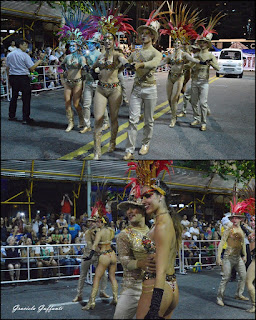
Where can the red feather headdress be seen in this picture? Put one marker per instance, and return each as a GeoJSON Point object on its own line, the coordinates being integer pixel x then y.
{"type": "Point", "coordinates": [147, 172]}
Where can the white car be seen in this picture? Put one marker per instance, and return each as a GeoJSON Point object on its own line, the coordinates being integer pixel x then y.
{"type": "Point", "coordinates": [231, 61]}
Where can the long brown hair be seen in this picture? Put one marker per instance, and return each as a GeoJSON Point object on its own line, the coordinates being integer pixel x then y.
{"type": "Point", "coordinates": [175, 218]}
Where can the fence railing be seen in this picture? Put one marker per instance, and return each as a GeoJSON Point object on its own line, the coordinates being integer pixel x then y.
{"type": "Point", "coordinates": [206, 256]}
{"type": "Point", "coordinates": [44, 83]}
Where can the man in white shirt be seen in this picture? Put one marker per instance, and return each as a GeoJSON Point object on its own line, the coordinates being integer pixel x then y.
{"type": "Point", "coordinates": [194, 230]}
{"type": "Point", "coordinates": [12, 47]}
{"type": "Point", "coordinates": [185, 221]}
{"type": "Point", "coordinates": [19, 66]}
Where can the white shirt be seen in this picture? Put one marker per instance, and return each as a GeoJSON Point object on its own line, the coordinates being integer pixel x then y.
{"type": "Point", "coordinates": [36, 225]}
{"type": "Point", "coordinates": [185, 223]}
{"type": "Point", "coordinates": [19, 63]}
{"type": "Point", "coordinates": [12, 48]}
{"type": "Point", "coordinates": [194, 230]}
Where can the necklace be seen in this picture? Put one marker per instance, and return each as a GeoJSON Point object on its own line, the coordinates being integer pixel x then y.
{"type": "Point", "coordinates": [157, 215]}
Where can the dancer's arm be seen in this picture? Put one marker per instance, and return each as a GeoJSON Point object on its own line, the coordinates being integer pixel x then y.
{"type": "Point", "coordinates": [244, 255]}
{"type": "Point", "coordinates": [152, 64]}
{"type": "Point", "coordinates": [164, 61]}
{"type": "Point", "coordinates": [190, 58]}
{"type": "Point", "coordinates": [214, 63]}
{"type": "Point", "coordinates": [163, 240]}
{"type": "Point", "coordinates": [125, 254]}
{"type": "Point", "coordinates": [220, 248]}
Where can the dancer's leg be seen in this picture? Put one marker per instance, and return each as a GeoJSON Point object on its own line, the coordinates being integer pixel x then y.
{"type": "Point", "coordinates": [114, 100]}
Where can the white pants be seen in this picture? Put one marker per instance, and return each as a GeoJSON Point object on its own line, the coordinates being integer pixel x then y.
{"type": "Point", "coordinates": [199, 95]}
{"type": "Point", "coordinates": [187, 99]}
{"type": "Point", "coordinates": [127, 303]}
{"type": "Point", "coordinates": [228, 263]}
{"type": "Point", "coordinates": [88, 94]}
{"type": "Point", "coordinates": [148, 97]}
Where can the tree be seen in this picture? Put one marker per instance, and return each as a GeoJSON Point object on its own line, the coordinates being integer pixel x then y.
{"type": "Point", "coordinates": [242, 170]}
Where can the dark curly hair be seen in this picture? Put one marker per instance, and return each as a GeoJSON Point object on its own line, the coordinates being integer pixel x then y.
{"type": "Point", "coordinates": [175, 218]}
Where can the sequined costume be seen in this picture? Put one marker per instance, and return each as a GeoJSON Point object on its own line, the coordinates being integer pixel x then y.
{"type": "Point", "coordinates": [232, 258]}
{"type": "Point", "coordinates": [89, 87]}
{"type": "Point", "coordinates": [90, 236]}
{"type": "Point", "coordinates": [130, 249]}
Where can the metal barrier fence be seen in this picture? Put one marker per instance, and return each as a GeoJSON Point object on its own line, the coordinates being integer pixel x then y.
{"type": "Point", "coordinates": [44, 83]}
{"type": "Point", "coordinates": [47, 84]}
{"type": "Point", "coordinates": [206, 256]}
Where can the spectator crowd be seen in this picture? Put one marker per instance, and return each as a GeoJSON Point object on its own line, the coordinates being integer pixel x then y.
{"type": "Point", "coordinates": [38, 239]}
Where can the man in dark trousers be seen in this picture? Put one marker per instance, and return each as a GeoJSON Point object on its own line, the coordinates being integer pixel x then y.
{"type": "Point", "coordinates": [19, 65]}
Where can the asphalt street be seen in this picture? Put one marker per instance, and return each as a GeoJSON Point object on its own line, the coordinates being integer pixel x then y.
{"type": "Point", "coordinates": [197, 300]}
{"type": "Point", "coordinates": [230, 130]}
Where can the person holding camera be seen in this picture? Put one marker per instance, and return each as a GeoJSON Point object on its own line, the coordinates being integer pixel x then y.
{"type": "Point", "coordinates": [66, 204]}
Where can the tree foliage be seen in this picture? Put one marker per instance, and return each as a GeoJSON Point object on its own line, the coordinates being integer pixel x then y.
{"type": "Point", "coordinates": [242, 170]}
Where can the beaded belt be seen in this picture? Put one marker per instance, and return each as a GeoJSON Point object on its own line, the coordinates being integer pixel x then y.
{"type": "Point", "coordinates": [108, 85]}
{"type": "Point", "coordinates": [152, 275]}
{"type": "Point", "coordinates": [170, 278]}
{"type": "Point", "coordinates": [73, 80]}
{"type": "Point", "coordinates": [106, 251]}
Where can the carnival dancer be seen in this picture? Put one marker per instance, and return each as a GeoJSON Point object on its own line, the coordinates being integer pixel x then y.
{"type": "Point", "coordinates": [74, 32]}
{"type": "Point", "coordinates": [200, 74]}
{"type": "Point", "coordinates": [108, 21]}
{"type": "Point", "coordinates": [182, 29]}
{"type": "Point", "coordinates": [187, 90]}
{"type": "Point", "coordinates": [250, 275]}
{"type": "Point", "coordinates": [91, 54]}
{"type": "Point", "coordinates": [249, 194]}
{"type": "Point", "coordinates": [234, 236]}
{"type": "Point", "coordinates": [144, 89]}
{"type": "Point", "coordinates": [85, 264]}
{"type": "Point", "coordinates": [132, 255]}
{"type": "Point", "coordinates": [107, 256]}
{"type": "Point", "coordinates": [159, 289]}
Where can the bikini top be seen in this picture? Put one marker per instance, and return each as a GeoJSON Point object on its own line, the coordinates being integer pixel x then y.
{"type": "Point", "coordinates": [108, 65]}
{"type": "Point", "coordinates": [112, 236]}
{"type": "Point", "coordinates": [176, 61]}
{"type": "Point", "coordinates": [74, 63]}
{"type": "Point", "coordinates": [148, 244]}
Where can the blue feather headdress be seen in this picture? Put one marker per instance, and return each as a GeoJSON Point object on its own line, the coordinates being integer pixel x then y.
{"type": "Point", "coordinates": [77, 27]}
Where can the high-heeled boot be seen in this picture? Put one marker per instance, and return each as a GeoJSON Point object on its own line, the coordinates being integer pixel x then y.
{"type": "Point", "coordinates": [115, 294]}
{"type": "Point", "coordinates": [91, 303]}
{"type": "Point", "coordinates": [97, 145]}
{"type": "Point", "coordinates": [70, 116]}
{"type": "Point", "coordinates": [81, 123]}
{"type": "Point", "coordinates": [252, 296]}
{"type": "Point", "coordinates": [112, 143]}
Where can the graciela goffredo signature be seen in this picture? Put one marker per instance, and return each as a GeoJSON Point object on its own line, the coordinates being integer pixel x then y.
{"type": "Point", "coordinates": [42, 307]}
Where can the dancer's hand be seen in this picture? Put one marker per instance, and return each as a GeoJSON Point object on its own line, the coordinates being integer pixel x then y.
{"type": "Point", "coordinates": [218, 262]}
{"type": "Point", "coordinates": [244, 259]}
{"type": "Point", "coordinates": [90, 256]}
{"type": "Point", "coordinates": [139, 65]}
{"type": "Point", "coordinates": [147, 264]}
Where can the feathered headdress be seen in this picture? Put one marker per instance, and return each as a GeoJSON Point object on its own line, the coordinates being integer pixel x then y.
{"type": "Point", "coordinates": [77, 27]}
{"type": "Point", "coordinates": [99, 209]}
{"type": "Point", "coordinates": [248, 194]}
{"type": "Point", "coordinates": [104, 18]}
{"type": "Point", "coordinates": [182, 25]}
{"type": "Point", "coordinates": [208, 31]}
{"type": "Point", "coordinates": [152, 22]}
{"type": "Point", "coordinates": [147, 172]}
